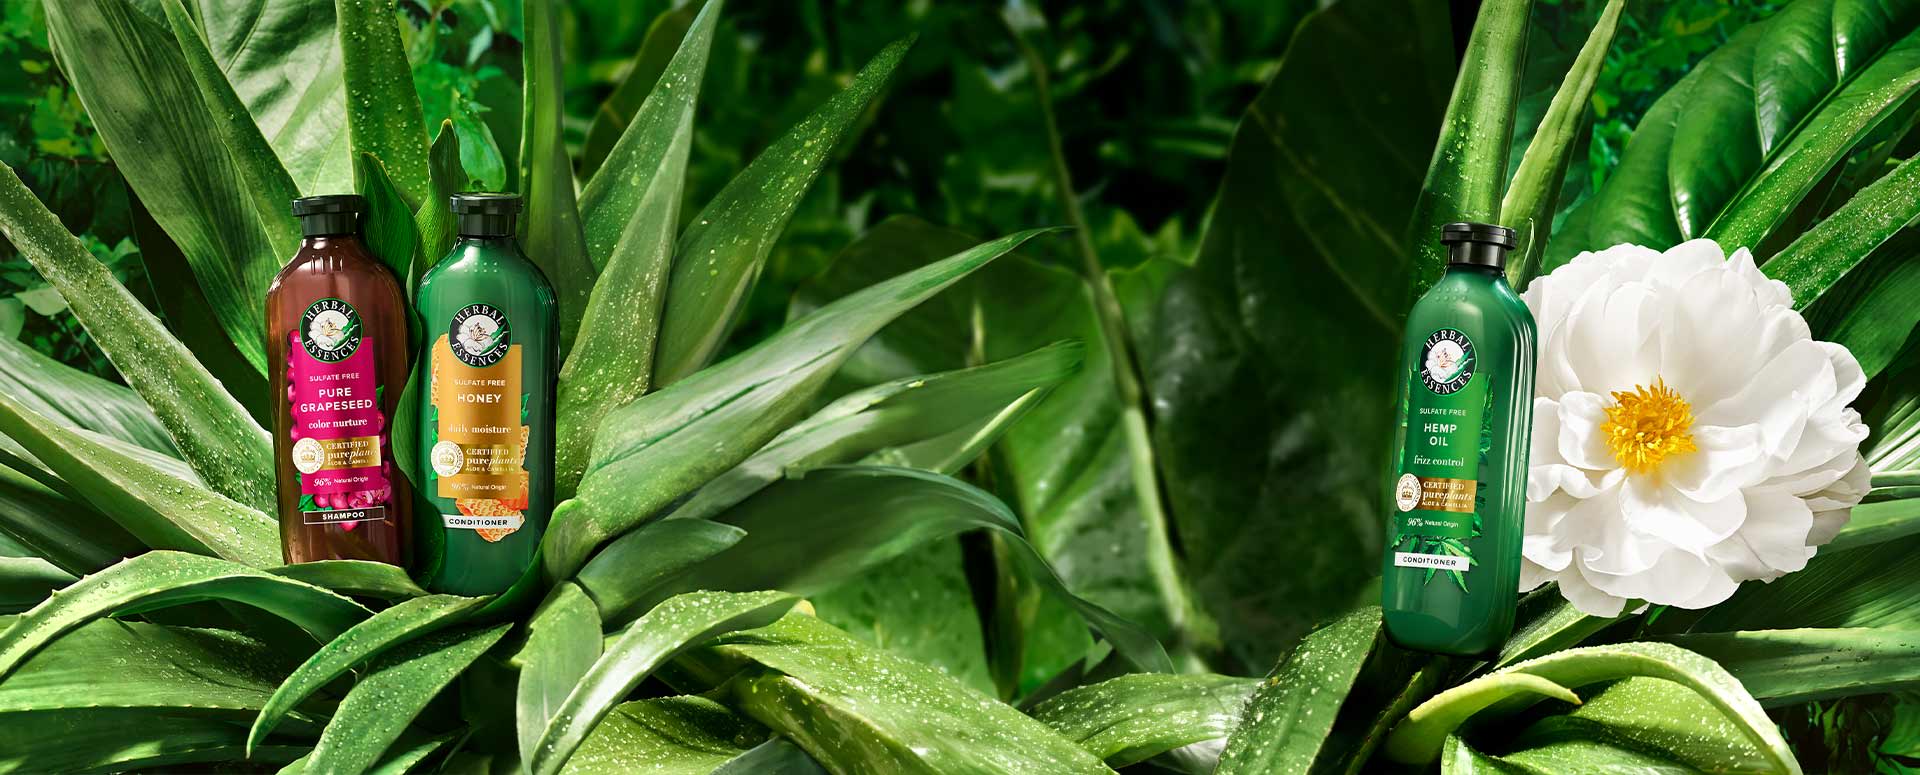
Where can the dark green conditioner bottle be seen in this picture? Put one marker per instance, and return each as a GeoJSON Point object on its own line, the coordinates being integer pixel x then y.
{"type": "Point", "coordinates": [490, 325]}
{"type": "Point", "coordinates": [1452, 561]}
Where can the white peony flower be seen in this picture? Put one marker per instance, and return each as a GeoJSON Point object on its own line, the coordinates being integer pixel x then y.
{"type": "Point", "coordinates": [1688, 432]}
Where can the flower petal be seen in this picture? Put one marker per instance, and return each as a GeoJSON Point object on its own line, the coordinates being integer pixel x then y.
{"type": "Point", "coordinates": [1581, 442]}
{"type": "Point", "coordinates": [1773, 542]}
{"type": "Point", "coordinates": [1653, 509]}
{"type": "Point", "coordinates": [1723, 461]}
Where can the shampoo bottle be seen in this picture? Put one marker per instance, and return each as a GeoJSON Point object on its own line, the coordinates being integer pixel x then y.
{"type": "Point", "coordinates": [1452, 561]}
{"type": "Point", "coordinates": [337, 356]}
{"type": "Point", "coordinates": [486, 403]}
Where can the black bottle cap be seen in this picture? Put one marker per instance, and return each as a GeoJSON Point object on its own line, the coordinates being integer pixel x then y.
{"type": "Point", "coordinates": [1477, 244]}
{"type": "Point", "coordinates": [485, 214]}
{"type": "Point", "coordinates": [329, 215]}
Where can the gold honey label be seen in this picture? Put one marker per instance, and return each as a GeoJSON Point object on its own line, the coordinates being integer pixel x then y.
{"type": "Point", "coordinates": [481, 446]}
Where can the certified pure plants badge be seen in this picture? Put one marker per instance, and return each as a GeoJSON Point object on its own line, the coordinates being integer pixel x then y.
{"type": "Point", "coordinates": [330, 330]}
{"type": "Point", "coordinates": [479, 335]}
{"type": "Point", "coordinates": [1447, 361]}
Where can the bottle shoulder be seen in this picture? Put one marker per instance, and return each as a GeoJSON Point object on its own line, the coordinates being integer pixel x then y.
{"type": "Point", "coordinates": [1471, 299]}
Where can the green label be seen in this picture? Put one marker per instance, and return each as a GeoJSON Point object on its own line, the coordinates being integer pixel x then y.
{"type": "Point", "coordinates": [1436, 492]}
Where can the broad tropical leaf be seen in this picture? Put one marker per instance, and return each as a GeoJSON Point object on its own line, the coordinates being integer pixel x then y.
{"type": "Point", "coordinates": [257, 42]}
{"type": "Point", "coordinates": [1286, 723]}
{"type": "Point", "coordinates": [720, 255]}
{"type": "Point", "coordinates": [1130, 719]}
{"type": "Point", "coordinates": [1781, 667]}
{"type": "Point", "coordinates": [550, 223]}
{"type": "Point", "coordinates": [626, 577]}
{"type": "Point", "coordinates": [670, 442]}
{"type": "Point", "coordinates": [213, 433]}
{"type": "Point", "coordinates": [397, 686]}
{"type": "Point", "coordinates": [563, 643]}
{"type": "Point", "coordinates": [383, 110]}
{"type": "Point", "coordinates": [668, 736]}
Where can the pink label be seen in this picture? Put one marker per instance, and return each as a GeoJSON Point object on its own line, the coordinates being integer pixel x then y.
{"type": "Point", "coordinates": [340, 437]}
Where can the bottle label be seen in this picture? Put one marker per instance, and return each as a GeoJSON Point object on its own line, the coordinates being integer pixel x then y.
{"type": "Point", "coordinates": [480, 432]}
{"type": "Point", "coordinates": [340, 444]}
{"type": "Point", "coordinates": [1437, 497]}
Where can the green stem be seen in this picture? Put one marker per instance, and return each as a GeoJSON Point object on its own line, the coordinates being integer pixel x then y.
{"type": "Point", "coordinates": [1126, 367]}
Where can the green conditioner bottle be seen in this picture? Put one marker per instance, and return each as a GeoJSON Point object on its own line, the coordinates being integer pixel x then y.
{"type": "Point", "coordinates": [490, 323]}
{"type": "Point", "coordinates": [1452, 561]}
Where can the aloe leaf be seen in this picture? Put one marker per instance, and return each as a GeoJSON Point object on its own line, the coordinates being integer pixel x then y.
{"type": "Point", "coordinates": [257, 42]}
{"type": "Point", "coordinates": [676, 735]}
{"type": "Point", "coordinates": [1786, 667]}
{"type": "Point", "coordinates": [1823, 255]}
{"type": "Point", "coordinates": [1534, 193]}
{"type": "Point", "coordinates": [265, 183]}
{"type": "Point", "coordinates": [161, 578]}
{"type": "Point", "coordinates": [77, 399]}
{"type": "Point", "coordinates": [777, 756]}
{"type": "Point", "coordinates": [400, 759]}
{"type": "Point", "coordinates": [161, 510]}
{"type": "Point", "coordinates": [82, 540]}
{"type": "Point", "coordinates": [213, 433]}
{"type": "Point", "coordinates": [859, 709]}
{"type": "Point", "coordinates": [1548, 623]}
{"type": "Point", "coordinates": [720, 255]}
{"type": "Point", "coordinates": [383, 110]}
{"type": "Point", "coordinates": [1130, 719]}
{"type": "Point", "coordinates": [550, 227]}
{"type": "Point", "coordinates": [163, 140]}
{"type": "Point", "coordinates": [27, 581]}
{"type": "Point", "coordinates": [672, 441]}
{"type": "Point", "coordinates": [1469, 164]}
{"type": "Point", "coordinates": [805, 534]}
{"type": "Point", "coordinates": [681, 623]}
{"type": "Point", "coordinates": [390, 233]}
{"type": "Point", "coordinates": [888, 415]}
{"type": "Point", "coordinates": [123, 741]}
{"type": "Point", "coordinates": [182, 305]}
{"type": "Point", "coordinates": [1832, 133]}
{"type": "Point", "coordinates": [627, 576]}
{"type": "Point", "coordinates": [366, 640]}
{"type": "Point", "coordinates": [355, 577]}
{"type": "Point", "coordinates": [434, 219]}
{"type": "Point", "coordinates": [1334, 295]}
{"type": "Point", "coordinates": [563, 643]}
{"type": "Point", "coordinates": [1785, 97]}
{"type": "Point", "coordinates": [610, 122]}
{"type": "Point", "coordinates": [397, 686]}
{"type": "Point", "coordinates": [631, 214]}
{"type": "Point", "coordinates": [1631, 725]}
{"type": "Point", "coordinates": [1419, 738]}
{"type": "Point", "coordinates": [1286, 723]}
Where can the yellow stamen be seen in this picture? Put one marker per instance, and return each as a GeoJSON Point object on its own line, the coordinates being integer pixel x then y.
{"type": "Point", "coordinates": [1647, 426]}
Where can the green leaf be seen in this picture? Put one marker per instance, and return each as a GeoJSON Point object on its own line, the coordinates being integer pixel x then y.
{"type": "Point", "coordinates": [390, 232]}
{"type": "Point", "coordinates": [1784, 667]}
{"type": "Point", "coordinates": [1862, 102]}
{"type": "Point", "coordinates": [366, 640]}
{"type": "Point", "coordinates": [434, 219]}
{"type": "Point", "coordinates": [26, 581]}
{"type": "Point", "coordinates": [182, 305]}
{"type": "Point", "coordinates": [1872, 586]}
{"type": "Point", "coordinates": [1786, 97]}
{"type": "Point", "coordinates": [1874, 308]}
{"type": "Point", "coordinates": [672, 441]}
{"type": "Point", "coordinates": [1877, 522]}
{"type": "Point", "coordinates": [1286, 723]}
{"type": "Point", "coordinates": [777, 756]}
{"type": "Point", "coordinates": [679, 624]}
{"type": "Point", "coordinates": [258, 42]}
{"type": "Point", "coordinates": [1822, 256]}
{"type": "Point", "coordinates": [161, 510]}
{"type": "Point", "coordinates": [612, 120]}
{"type": "Point", "coordinates": [77, 399]}
{"type": "Point", "coordinates": [82, 540]}
{"type": "Point", "coordinates": [397, 686]}
{"type": "Point", "coordinates": [887, 415]}
{"type": "Point", "coordinates": [857, 709]}
{"type": "Point", "coordinates": [158, 579]}
{"type": "Point", "coordinates": [1469, 164]}
{"type": "Point", "coordinates": [1548, 623]}
{"type": "Point", "coordinates": [626, 577]}
{"type": "Point", "coordinates": [667, 736]}
{"type": "Point", "coordinates": [383, 110]}
{"type": "Point", "coordinates": [213, 433]}
{"type": "Point", "coordinates": [1130, 719]}
{"type": "Point", "coordinates": [355, 577]}
{"type": "Point", "coordinates": [1632, 725]}
{"type": "Point", "coordinates": [267, 186]}
{"type": "Point", "coordinates": [550, 228]}
{"type": "Point", "coordinates": [1534, 193]}
{"type": "Point", "coordinates": [720, 255]}
{"type": "Point", "coordinates": [141, 98]}
{"type": "Point", "coordinates": [1300, 282]}
{"type": "Point", "coordinates": [921, 606]}
{"type": "Point", "coordinates": [1419, 738]}
{"type": "Point", "coordinates": [1068, 464]}
{"type": "Point", "coordinates": [563, 643]}
{"type": "Point", "coordinates": [631, 214]}
{"type": "Point", "coordinates": [806, 534]}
